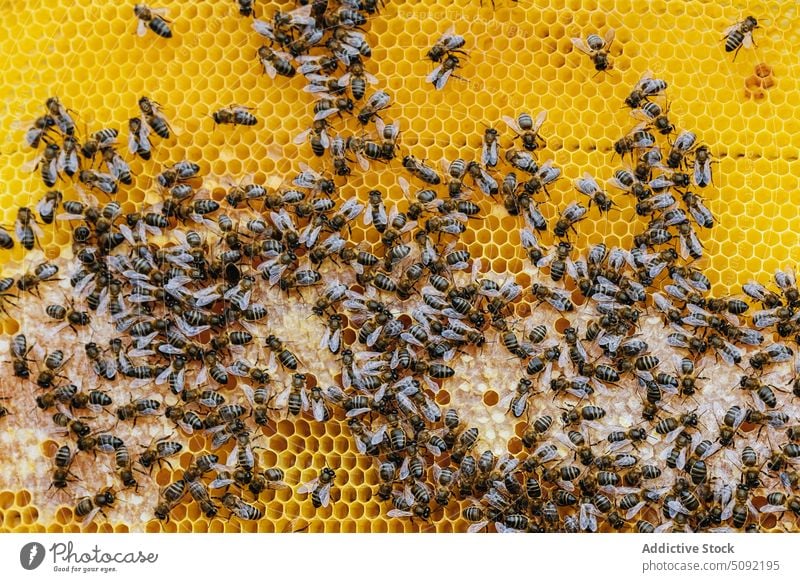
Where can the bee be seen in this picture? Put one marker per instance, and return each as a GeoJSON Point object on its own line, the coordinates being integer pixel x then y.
{"type": "Point", "coordinates": [653, 117]}
{"type": "Point", "coordinates": [89, 507]}
{"type": "Point", "coordinates": [138, 138]}
{"type": "Point", "coordinates": [151, 112]}
{"type": "Point", "coordinates": [527, 129]}
{"type": "Point", "coordinates": [682, 146]}
{"type": "Point", "coordinates": [61, 114]}
{"type": "Point", "coordinates": [152, 18]}
{"type": "Point", "coordinates": [389, 135]}
{"type": "Point", "coordinates": [569, 217]}
{"type": "Point", "coordinates": [47, 206]}
{"type": "Point", "coordinates": [104, 182]}
{"type": "Point", "coordinates": [645, 88]}
{"type": "Point", "coordinates": [43, 272]}
{"type": "Point", "coordinates": [316, 135]}
{"type": "Point", "coordinates": [559, 299]}
{"type": "Point", "coordinates": [37, 130]}
{"type": "Point", "coordinates": [357, 78]}
{"type": "Point", "coordinates": [698, 210]}
{"type": "Point", "coordinates": [26, 229]}
{"type": "Point", "coordinates": [420, 170]}
{"type": "Point", "coordinates": [241, 509]}
{"type": "Point", "coordinates": [61, 473]}
{"type": "Point", "coordinates": [124, 466]}
{"type": "Point", "coordinates": [68, 156]}
{"type": "Point", "coordinates": [702, 167]}
{"type": "Point", "coordinates": [158, 453]}
{"type": "Point", "coordinates": [319, 487]}
{"type": "Point", "coordinates": [440, 75]}
{"type": "Point", "coordinates": [485, 182]}
{"type": "Point", "coordinates": [489, 147]}
{"type": "Point", "coordinates": [137, 408]}
{"type": "Point", "coordinates": [47, 164]}
{"type": "Point", "coordinates": [772, 354]}
{"type": "Point", "coordinates": [740, 35]}
{"type": "Point", "coordinates": [447, 43]}
{"type": "Point", "coordinates": [234, 115]}
{"type": "Point", "coordinates": [169, 497]}
{"type": "Point", "coordinates": [627, 181]}
{"type": "Point", "coordinates": [275, 62]}
{"type": "Point", "coordinates": [376, 103]}
{"type": "Point", "coordinates": [598, 49]}
{"type": "Point", "coordinates": [638, 139]}
{"type": "Point", "coordinates": [589, 187]}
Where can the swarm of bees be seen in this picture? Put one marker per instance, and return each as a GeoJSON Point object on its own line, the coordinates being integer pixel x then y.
{"type": "Point", "coordinates": [172, 316]}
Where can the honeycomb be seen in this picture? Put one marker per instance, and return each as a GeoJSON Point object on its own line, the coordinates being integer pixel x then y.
{"type": "Point", "coordinates": [519, 58]}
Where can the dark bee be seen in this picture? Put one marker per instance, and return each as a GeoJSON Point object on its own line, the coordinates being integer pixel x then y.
{"type": "Point", "coordinates": [152, 18]}
{"type": "Point", "coordinates": [740, 35]}
{"type": "Point", "coordinates": [598, 49]}
{"type": "Point", "coordinates": [234, 115]}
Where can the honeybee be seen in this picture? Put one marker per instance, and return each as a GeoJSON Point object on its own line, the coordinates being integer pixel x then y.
{"type": "Point", "coordinates": [89, 507]}
{"type": "Point", "coordinates": [61, 114]}
{"type": "Point", "coordinates": [636, 140]}
{"type": "Point", "coordinates": [152, 18]}
{"type": "Point", "coordinates": [234, 115]}
{"type": "Point", "coordinates": [37, 130]}
{"type": "Point", "coordinates": [654, 117]}
{"type": "Point", "coordinates": [589, 187]}
{"type": "Point", "coordinates": [68, 156]}
{"type": "Point", "coordinates": [740, 35]}
{"type": "Point", "coordinates": [138, 138]}
{"type": "Point", "coordinates": [151, 111]}
{"type": "Point", "coordinates": [702, 167]}
{"type": "Point", "coordinates": [47, 164]}
{"type": "Point", "coordinates": [447, 43]}
{"type": "Point", "coordinates": [420, 170]}
{"type": "Point", "coordinates": [26, 229]}
{"type": "Point", "coordinates": [319, 488]}
{"type": "Point", "coordinates": [275, 62]}
{"type": "Point", "coordinates": [358, 79]}
{"type": "Point", "coordinates": [597, 48]}
{"type": "Point", "coordinates": [645, 88]}
{"type": "Point", "coordinates": [240, 508]}
{"type": "Point", "coordinates": [376, 103]}
{"type": "Point", "coordinates": [439, 75]}
{"type": "Point", "coordinates": [527, 129]}
{"type": "Point", "coordinates": [570, 216]}
{"type": "Point", "coordinates": [682, 146]}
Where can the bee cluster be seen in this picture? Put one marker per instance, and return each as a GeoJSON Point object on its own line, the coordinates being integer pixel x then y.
{"type": "Point", "coordinates": [176, 310]}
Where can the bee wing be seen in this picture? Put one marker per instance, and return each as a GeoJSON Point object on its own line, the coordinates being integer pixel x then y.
{"type": "Point", "coordinates": [609, 37]}
{"type": "Point", "coordinates": [325, 494]}
{"type": "Point", "coordinates": [90, 517]}
{"type": "Point", "coordinates": [141, 28]}
{"type": "Point", "coordinates": [431, 78]}
{"type": "Point", "coordinates": [579, 44]}
{"type": "Point", "coordinates": [308, 487]}
{"type": "Point", "coordinates": [272, 72]}
{"type": "Point", "coordinates": [318, 409]}
{"type": "Point", "coordinates": [512, 123]}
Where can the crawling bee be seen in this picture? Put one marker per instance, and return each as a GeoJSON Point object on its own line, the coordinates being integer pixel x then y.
{"type": "Point", "coordinates": [420, 170]}
{"type": "Point", "coordinates": [376, 103]}
{"type": "Point", "coordinates": [152, 18]}
{"type": "Point", "coordinates": [702, 166]}
{"type": "Point", "coordinates": [241, 509]}
{"type": "Point", "coordinates": [570, 216]}
{"type": "Point", "coordinates": [740, 35]}
{"type": "Point", "coordinates": [319, 488]}
{"type": "Point", "coordinates": [637, 140]}
{"type": "Point", "coordinates": [275, 62]}
{"type": "Point", "coordinates": [447, 43]}
{"type": "Point", "coordinates": [527, 129]}
{"type": "Point", "coordinates": [37, 130]}
{"type": "Point", "coordinates": [234, 115]}
{"type": "Point", "coordinates": [89, 507]}
{"type": "Point", "coordinates": [26, 229]}
{"type": "Point", "coordinates": [682, 146]}
{"type": "Point", "coordinates": [654, 117]}
{"type": "Point", "coordinates": [589, 187]}
{"type": "Point", "coordinates": [61, 114]}
{"type": "Point", "coordinates": [151, 112]}
{"type": "Point", "coordinates": [597, 48]}
{"type": "Point", "coordinates": [645, 88]}
{"type": "Point", "coordinates": [138, 138]}
{"type": "Point", "coordinates": [444, 71]}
